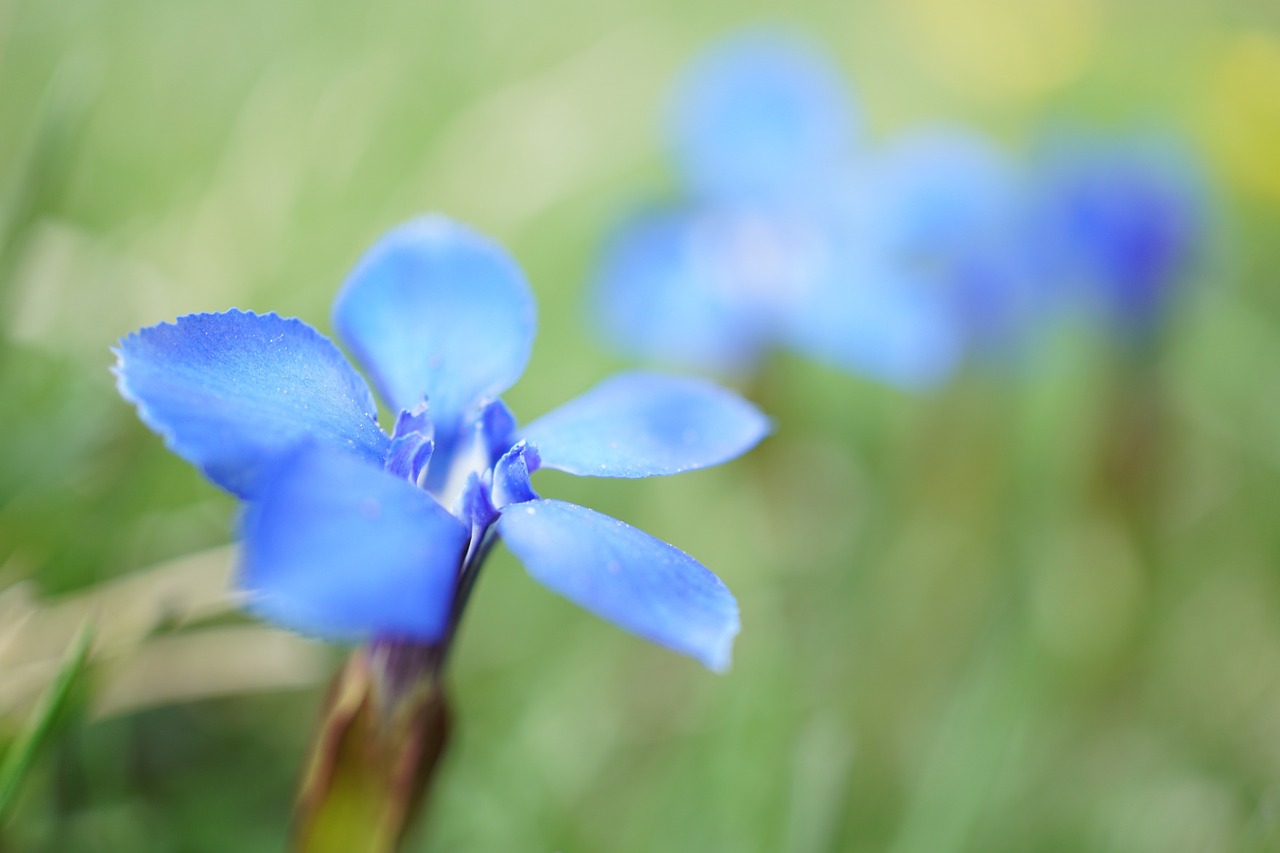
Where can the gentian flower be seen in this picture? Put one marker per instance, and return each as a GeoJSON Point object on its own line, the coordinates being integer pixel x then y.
{"type": "Point", "coordinates": [351, 534]}
{"type": "Point", "coordinates": [764, 249]}
{"type": "Point", "coordinates": [1120, 222]}
{"type": "Point", "coordinates": [943, 207]}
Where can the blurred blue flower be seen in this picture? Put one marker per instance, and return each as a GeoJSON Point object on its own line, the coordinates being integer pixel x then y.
{"type": "Point", "coordinates": [762, 115]}
{"type": "Point", "coordinates": [773, 244]}
{"type": "Point", "coordinates": [944, 207]}
{"type": "Point", "coordinates": [353, 534]}
{"type": "Point", "coordinates": [1119, 221]}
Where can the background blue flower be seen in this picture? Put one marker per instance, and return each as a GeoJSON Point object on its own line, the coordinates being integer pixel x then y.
{"type": "Point", "coordinates": [945, 208]}
{"type": "Point", "coordinates": [885, 260]}
{"type": "Point", "coordinates": [761, 128]}
{"type": "Point", "coordinates": [1120, 220]}
{"type": "Point", "coordinates": [353, 534]}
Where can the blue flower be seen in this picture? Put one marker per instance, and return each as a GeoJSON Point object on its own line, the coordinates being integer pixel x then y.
{"type": "Point", "coordinates": [1119, 221]}
{"type": "Point", "coordinates": [944, 206]}
{"type": "Point", "coordinates": [768, 248]}
{"type": "Point", "coordinates": [353, 534]}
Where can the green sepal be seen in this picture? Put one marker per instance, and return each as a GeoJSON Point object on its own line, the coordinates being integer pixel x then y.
{"type": "Point", "coordinates": [382, 732]}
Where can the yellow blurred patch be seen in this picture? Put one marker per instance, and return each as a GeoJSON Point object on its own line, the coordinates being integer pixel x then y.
{"type": "Point", "coordinates": [1244, 112]}
{"type": "Point", "coordinates": [1004, 49]}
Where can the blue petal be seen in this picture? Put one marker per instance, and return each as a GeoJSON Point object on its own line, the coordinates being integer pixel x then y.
{"type": "Point", "coordinates": [938, 189]}
{"type": "Point", "coordinates": [414, 421]}
{"type": "Point", "coordinates": [495, 430]}
{"type": "Point", "coordinates": [511, 476]}
{"type": "Point", "coordinates": [478, 512]}
{"type": "Point", "coordinates": [626, 576]}
{"type": "Point", "coordinates": [881, 323]}
{"type": "Point", "coordinates": [645, 425]}
{"type": "Point", "coordinates": [341, 550]}
{"type": "Point", "coordinates": [760, 115]}
{"type": "Point", "coordinates": [435, 309]}
{"type": "Point", "coordinates": [409, 456]}
{"type": "Point", "coordinates": [660, 293]}
{"type": "Point", "coordinates": [412, 445]}
{"type": "Point", "coordinates": [233, 392]}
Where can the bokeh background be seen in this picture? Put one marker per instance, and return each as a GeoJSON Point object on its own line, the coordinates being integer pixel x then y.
{"type": "Point", "coordinates": [971, 621]}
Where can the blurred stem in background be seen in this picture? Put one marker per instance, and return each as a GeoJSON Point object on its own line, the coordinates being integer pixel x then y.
{"type": "Point", "coordinates": [42, 168]}
{"type": "Point", "coordinates": [1128, 475]}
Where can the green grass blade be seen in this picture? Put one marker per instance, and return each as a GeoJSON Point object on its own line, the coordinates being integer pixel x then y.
{"type": "Point", "coordinates": [22, 753]}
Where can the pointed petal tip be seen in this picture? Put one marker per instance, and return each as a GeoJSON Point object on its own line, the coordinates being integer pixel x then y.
{"type": "Point", "coordinates": [625, 576]}
{"type": "Point", "coordinates": [718, 654]}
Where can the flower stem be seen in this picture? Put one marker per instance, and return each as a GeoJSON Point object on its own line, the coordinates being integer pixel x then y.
{"type": "Point", "coordinates": [381, 736]}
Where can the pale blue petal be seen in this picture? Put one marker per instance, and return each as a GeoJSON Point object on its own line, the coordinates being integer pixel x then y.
{"type": "Point", "coordinates": [232, 392]}
{"type": "Point", "coordinates": [436, 310]}
{"type": "Point", "coordinates": [762, 114]}
{"type": "Point", "coordinates": [938, 189]}
{"type": "Point", "coordinates": [883, 324]}
{"type": "Point", "coordinates": [626, 576]}
{"type": "Point", "coordinates": [662, 293]}
{"type": "Point", "coordinates": [645, 425]}
{"type": "Point", "coordinates": [341, 550]}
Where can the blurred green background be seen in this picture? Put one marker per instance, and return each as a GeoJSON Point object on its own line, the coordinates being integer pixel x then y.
{"type": "Point", "coordinates": [962, 628]}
